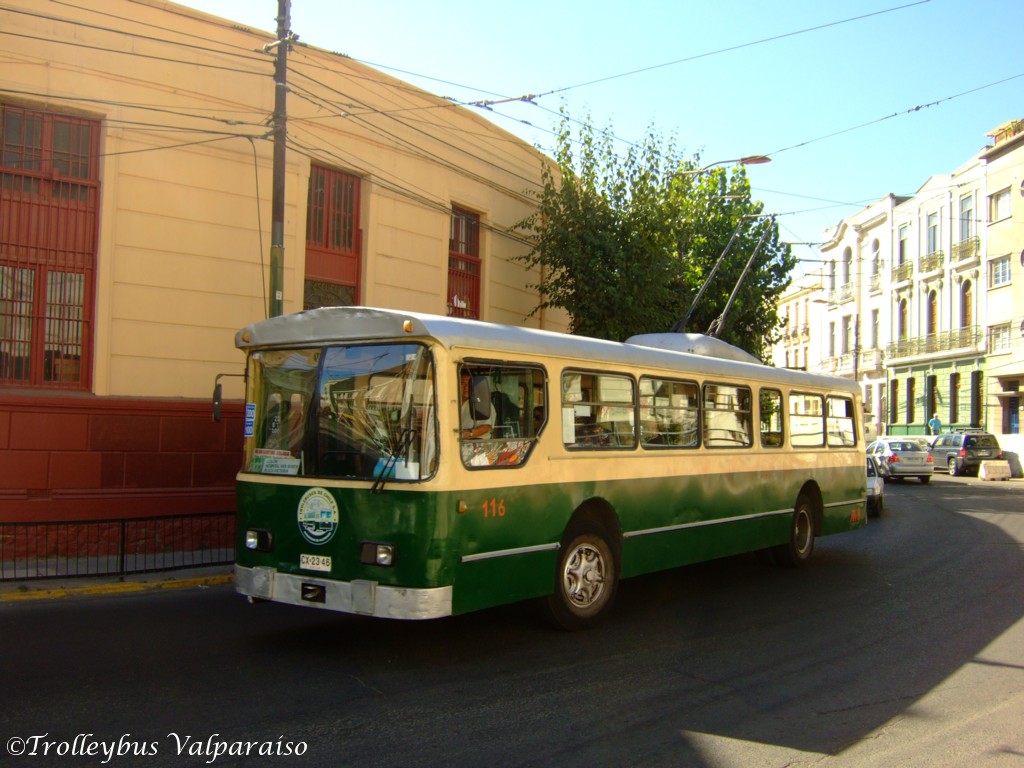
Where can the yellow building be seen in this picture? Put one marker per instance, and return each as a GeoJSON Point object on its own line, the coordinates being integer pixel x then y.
{"type": "Point", "coordinates": [135, 231]}
{"type": "Point", "coordinates": [1005, 334]}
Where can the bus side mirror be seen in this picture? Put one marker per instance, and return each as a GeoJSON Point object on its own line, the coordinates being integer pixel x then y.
{"type": "Point", "coordinates": [480, 399]}
{"type": "Point", "coordinates": [217, 398]}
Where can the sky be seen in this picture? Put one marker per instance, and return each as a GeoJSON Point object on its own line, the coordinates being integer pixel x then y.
{"type": "Point", "coordinates": [852, 100]}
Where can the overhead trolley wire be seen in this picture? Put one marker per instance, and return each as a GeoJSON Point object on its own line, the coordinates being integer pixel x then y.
{"type": "Point", "coordinates": [246, 55]}
{"type": "Point", "coordinates": [412, 146]}
{"type": "Point", "coordinates": [423, 196]}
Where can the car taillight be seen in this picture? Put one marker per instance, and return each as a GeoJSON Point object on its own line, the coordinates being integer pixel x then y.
{"type": "Point", "coordinates": [894, 459]}
{"type": "Point", "coordinates": [963, 453]}
{"type": "Point", "coordinates": [929, 460]}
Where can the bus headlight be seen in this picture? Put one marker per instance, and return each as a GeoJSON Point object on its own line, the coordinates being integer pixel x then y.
{"type": "Point", "coordinates": [260, 541]}
{"type": "Point", "coordinates": [371, 553]}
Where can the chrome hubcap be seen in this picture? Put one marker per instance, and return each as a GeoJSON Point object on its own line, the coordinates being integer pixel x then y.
{"type": "Point", "coordinates": [583, 576]}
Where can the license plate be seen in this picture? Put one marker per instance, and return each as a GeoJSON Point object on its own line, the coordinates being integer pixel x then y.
{"type": "Point", "coordinates": [315, 563]}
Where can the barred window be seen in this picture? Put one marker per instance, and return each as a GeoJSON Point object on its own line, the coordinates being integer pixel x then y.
{"type": "Point", "coordinates": [49, 188]}
{"type": "Point", "coordinates": [333, 242]}
{"type": "Point", "coordinates": [464, 264]}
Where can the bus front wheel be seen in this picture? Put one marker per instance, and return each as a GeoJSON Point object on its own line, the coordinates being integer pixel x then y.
{"type": "Point", "coordinates": [585, 581]}
{"type": "Point", "coordinates": [800, 546]}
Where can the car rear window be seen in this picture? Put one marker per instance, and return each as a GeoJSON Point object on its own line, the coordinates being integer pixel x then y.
{"type": "Point", "coordinates": [981, 441]}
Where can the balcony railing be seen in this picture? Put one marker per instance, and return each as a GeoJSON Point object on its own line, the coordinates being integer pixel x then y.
{"type": "Point", "coordinates": [967, 249]}
{"type": "Point", "coordinates": [933, 261]}
{"type": "Point", "coordinates": [966, 338]}
{"type": "Point", "coordinates": [841, 294]}
{"type": "Point", "coordinates": [903, 272]}
{"type": "Point", "coordinates": [871, 361]}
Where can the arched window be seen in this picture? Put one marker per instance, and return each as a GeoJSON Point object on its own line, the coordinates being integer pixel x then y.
{"type": "Point", "coordinates": [901, 320]}
{"type": "Point", "coordinates": [966, 304]}
{"type": "Point", "coordinates": [933, 313]}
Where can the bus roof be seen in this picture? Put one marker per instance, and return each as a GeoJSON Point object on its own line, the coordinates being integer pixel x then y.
{"type": "Point", "coordinates": [695, 352]}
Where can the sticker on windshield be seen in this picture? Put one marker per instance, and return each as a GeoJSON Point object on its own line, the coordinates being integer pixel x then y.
{"type": "Point", "coordinates": [270, 462]}
{"type": "Point", "coordinates": [318, 516]}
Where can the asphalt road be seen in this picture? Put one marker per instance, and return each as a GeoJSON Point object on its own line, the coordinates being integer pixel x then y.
{"type": "Point", "coordinates": [899, 645]}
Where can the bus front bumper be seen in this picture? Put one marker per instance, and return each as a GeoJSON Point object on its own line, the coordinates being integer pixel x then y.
{"type": "Point", "coordinates": [366, 598]}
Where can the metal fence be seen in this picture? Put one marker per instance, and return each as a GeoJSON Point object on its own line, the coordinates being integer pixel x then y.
{"type": "Point", "coordinates": [115, 547]}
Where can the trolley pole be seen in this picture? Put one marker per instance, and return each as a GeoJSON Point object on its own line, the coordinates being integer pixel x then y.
{"type": "Point", "coordinates": [284, 38]}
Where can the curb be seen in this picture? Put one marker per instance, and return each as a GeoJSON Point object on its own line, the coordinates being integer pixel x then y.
{"type": "Point", "coordinates": [25, 593]}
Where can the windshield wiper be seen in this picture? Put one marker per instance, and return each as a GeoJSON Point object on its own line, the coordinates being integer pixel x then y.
{"type": "Point", "coordinates": [405, 439]}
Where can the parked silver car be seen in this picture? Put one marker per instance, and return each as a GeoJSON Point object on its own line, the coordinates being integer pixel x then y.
{"type": "Point", "coordinates": [876, 489]}
{"type": "Point", "coordinates": [904, 457]}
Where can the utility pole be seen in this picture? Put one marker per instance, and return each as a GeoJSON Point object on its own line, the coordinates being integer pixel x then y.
{"type": "Point", "coordinates": [284, 38]}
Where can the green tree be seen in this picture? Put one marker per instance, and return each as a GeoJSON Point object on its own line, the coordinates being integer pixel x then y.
{"type": "Point", "coordinates": [624, 243]}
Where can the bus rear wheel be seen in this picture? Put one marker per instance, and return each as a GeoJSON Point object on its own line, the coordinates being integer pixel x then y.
{"type": "Point", "coordinates": [800, 546]}
{"type": "Point", "coordinates": [585, 582]}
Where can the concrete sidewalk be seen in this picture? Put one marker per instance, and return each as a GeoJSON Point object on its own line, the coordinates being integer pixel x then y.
{"type": "Point", "coordinates": [54, 589]}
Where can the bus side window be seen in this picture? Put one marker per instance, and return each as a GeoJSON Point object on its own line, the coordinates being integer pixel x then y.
{"type": "Point", "coordinates": [841, 430]}
{"type": "Point", "coordinates": [770, 405]}
{"type": "Point", "coordinates": [506, 435]}
{"type": "Point", "coordinates": [669, 413]}
{"type": "Point", "coordinates": [806, 425]}
{"type": "Point", "coordinates": [727, 416]}
{"type": "Point", "coordinates": [598, 411]}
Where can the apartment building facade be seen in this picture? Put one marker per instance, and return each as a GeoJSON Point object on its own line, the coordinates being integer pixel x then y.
{"type": "Point", "coordinates": [135, 227]}
{"type": "Point", "coordinates": [922, 298]}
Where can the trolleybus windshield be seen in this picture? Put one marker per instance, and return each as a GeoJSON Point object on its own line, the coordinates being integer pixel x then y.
{"type": "Point", "coordinates": [363, 412]}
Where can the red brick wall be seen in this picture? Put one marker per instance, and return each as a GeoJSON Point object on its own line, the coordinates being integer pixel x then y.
{"type": "Point", "coordinates": [83, 457]}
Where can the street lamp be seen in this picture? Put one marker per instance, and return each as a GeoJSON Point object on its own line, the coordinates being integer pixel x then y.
{"type": "Point", "coordinates": [748, 160]}
{"type": "Point", "coordinates": [680, 325]}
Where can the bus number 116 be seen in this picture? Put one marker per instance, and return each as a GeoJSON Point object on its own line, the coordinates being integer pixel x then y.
{"type": "Point", "coordinates": [494, 508]}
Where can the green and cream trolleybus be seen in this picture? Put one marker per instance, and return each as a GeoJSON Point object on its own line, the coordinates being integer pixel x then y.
{"type": "Point", "coordinates": [411, 466]}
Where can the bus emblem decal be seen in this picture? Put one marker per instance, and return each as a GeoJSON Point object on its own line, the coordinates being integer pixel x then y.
{"type": "Point", "coordinates": [318, 516]}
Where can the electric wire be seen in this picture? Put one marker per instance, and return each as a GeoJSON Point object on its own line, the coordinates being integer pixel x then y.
{"type": "Point", "coordinates": [113, 51]}
{"type": "Point", "coordinates": [138, 106]}
{"type": "Point", "coordinates": [908, 111]}
{"type": "Point", "coordinates": [499, 99]}
{"type": "Point", "coordinates": [426, 153]}
{"type": "Point", "coordinates": [732, 48]}
{"type": "Point", "coordinates": [248, 56]}
{"type": "Point", "coordinates": [259, 226]}
{"type": "Point", "coordinates": [423, 197]}
{"type": "Point", "coordinates": [175, 11]}
{"type": "Point", "coordinates": [434, 158]}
